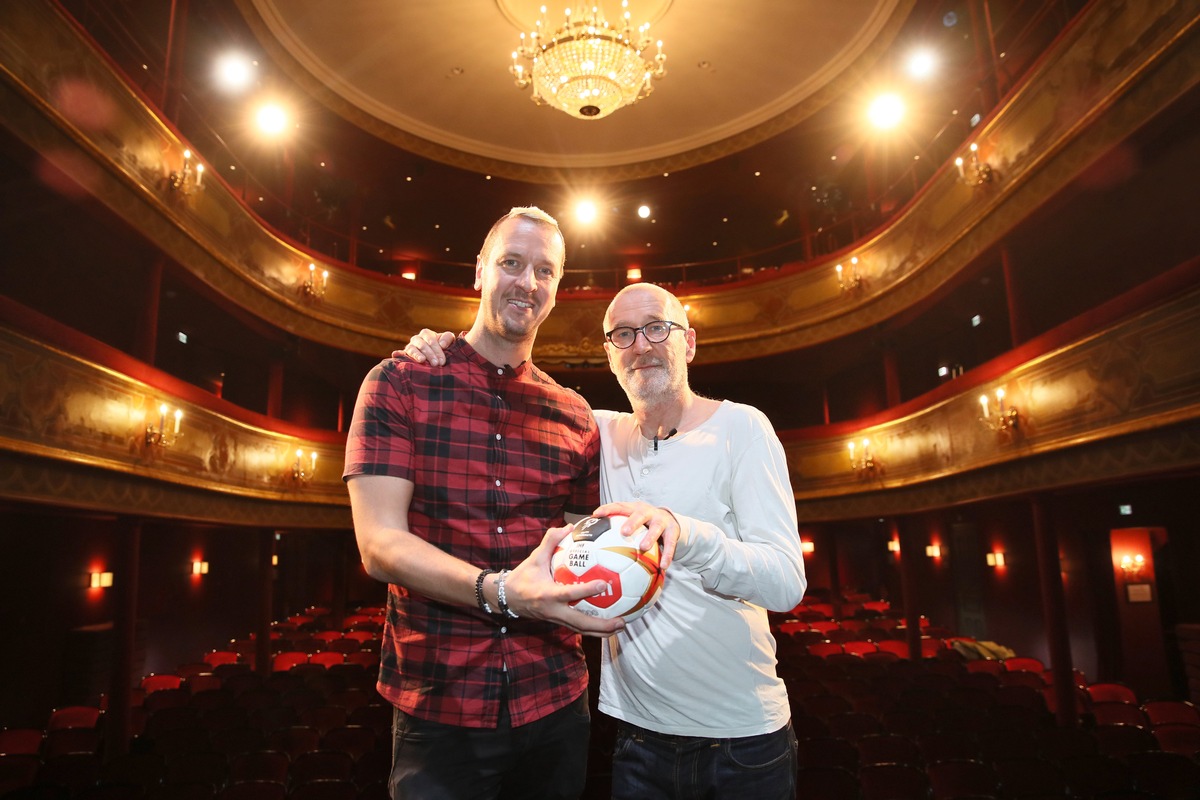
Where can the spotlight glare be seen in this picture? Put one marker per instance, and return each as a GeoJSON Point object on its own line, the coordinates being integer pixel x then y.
{"type": "Point", "coordinates": [271, 119]}
{"type": "Point", "coordinates": [922, 64]}
{"type": "Point", "coordinates": [643, 211]}
{"type": "Point", "coordinates": [585, 212]}
{"type": "Point", "coordinates": [233, 72]}
{"type": "Point", "coordinates": [886, 111]}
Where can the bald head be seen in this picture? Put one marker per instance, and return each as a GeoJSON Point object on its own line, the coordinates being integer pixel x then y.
{"type": "Point", "coordinates": [641, 294]}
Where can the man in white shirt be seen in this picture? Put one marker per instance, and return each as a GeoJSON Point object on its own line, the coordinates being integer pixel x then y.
{"type": "Point", "coordinates": [692, 682]}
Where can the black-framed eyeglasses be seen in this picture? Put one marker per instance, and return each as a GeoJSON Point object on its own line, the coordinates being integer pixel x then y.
{"type": "Point", "coordinates": [655, 332]}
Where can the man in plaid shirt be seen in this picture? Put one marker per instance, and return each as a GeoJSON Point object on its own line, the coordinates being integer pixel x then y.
{"type": "Point", "coordinates": [458, 476]}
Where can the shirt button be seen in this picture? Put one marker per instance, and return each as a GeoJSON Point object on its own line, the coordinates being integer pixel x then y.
{"type": "Point", "coordinates": [499, 529]}
{"type": "Point", "coordinates": [499, 372]}
{"type": "Point", "coordinates": [645, 470]}
{"type": "Point", "coordinates": [498, 437]}
{"type": "Point", "coordinates": [497, 483]}
{"type": "Point", "coordinates": [504, 629]}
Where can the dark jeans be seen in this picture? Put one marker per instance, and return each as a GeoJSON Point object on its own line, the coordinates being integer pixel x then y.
{"type": "Point", "coordinates": [544, 759]}
{"type": "Point", "coordinates": [653, 765]}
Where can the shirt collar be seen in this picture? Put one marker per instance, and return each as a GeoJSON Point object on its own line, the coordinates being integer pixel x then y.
{"type": "Point", "coordinates": [461, 346]}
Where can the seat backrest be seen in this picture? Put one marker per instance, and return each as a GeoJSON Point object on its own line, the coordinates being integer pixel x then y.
{"type": "Point", "coordinates": [1111, 693]}
{"type": "Point", "coordinates": [1027, 663]}
{"type": "Point", "coordinates": [1120, 740]}
{"type": "Point", "coordinates": [1171, 711]}
{"type": "Point", "coordinates": [74, 717]}
{"type": "Point", "coordinates": [163, 680]}
{"type": "Point", "coordinates": [1119, 713]}
{"type": "Point", "coordinates": [1176, 738]}
{"type": "Point", "coordinates": [21, 740]}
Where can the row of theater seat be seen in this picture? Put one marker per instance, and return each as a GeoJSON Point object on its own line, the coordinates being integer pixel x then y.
{"type": "Point", "coordinates": [874, 723]}
{"type": "Point", "coordinates": [880, 725]}
{"type": "Point", "coordinates": [314, 728]}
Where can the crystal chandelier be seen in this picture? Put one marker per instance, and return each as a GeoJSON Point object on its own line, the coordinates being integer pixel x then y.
{"type": "Point", "coordinates": [587, 67]}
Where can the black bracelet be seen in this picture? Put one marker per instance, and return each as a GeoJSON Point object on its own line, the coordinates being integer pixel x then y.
{"type": "Point", "coordinates": [483, 604]}
{"type": "Point", "coordinates": [504, 609]}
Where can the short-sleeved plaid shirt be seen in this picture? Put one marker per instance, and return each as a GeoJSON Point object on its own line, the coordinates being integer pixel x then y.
{"type": "Point", "coordinates": [496, 455]}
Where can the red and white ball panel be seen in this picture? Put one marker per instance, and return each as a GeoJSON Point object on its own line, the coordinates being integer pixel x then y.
{"type": "Point", "coordinates": [596, 550]}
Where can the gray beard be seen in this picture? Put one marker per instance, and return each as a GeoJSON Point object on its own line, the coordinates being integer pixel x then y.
{"type": "Point", "coordinates": [647, 391]}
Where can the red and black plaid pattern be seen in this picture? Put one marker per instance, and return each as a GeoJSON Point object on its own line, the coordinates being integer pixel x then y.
{"type": "Point", "coordinates": [496, 455]}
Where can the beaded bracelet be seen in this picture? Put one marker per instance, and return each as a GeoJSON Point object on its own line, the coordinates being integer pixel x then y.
{"type": "Point", "coordinates": [483, 604]}
{"type": "Point", "coordinates": [504, 609]}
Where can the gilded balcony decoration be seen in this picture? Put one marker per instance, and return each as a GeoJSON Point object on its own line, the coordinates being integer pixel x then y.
{"type": "Point", "coordinates": [1123, 402]}
{"type": "Point", "coordinates": [1114, 69]}
{"type": "Point", "coordinates": [77, 433]}
{"type": "Point", "coordinates": [1118, 403]}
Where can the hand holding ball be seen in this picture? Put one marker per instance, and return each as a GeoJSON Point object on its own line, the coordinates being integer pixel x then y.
{"type": "Point", "coordinates": [596, 550]}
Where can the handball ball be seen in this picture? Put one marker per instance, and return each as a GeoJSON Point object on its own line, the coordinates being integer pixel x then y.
{"type": "Point", "coordinates": [596, 550]}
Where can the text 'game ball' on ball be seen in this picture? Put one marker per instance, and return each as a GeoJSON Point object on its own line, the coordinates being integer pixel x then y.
{"type": "Point", "coordinates": [596, 550]}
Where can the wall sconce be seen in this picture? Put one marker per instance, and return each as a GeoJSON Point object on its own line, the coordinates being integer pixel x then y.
{"type": "Point", "coordinates": [316, 282]}
{"type": "Point", "coordinates": [848, 279]}
{"type": "Point", "coordinates": [995, 558]}
{"type": "Point", "coordinates": [894, 546]}
{"type": "Point", "coordinates": [160, 435]}
{"type": "Point", "coordinates": [972, 171]}
{"type": "Point", "coordinates": [862, 461]}
{"type": "Point", "coordinates": [190, 178]}
{"type": "Point", "coordinates": [100, 580]}
{"type": "Point", "coordinates": [1005, 418]}
{"type": "Point", "coordinates": [1132, 566]}
{"type": "Point", "coordinates": [933, 550]}
{"type": "Point", "coordinates": [199, 567]}
{"type": "Point", "coordinates": [633, 275]}
{"type": "Point", "coordinates": [806, 546]}
{"type": "Point", "coordinates": [304, 468]}
{"type": "Point", "coordinates": [274, 559]}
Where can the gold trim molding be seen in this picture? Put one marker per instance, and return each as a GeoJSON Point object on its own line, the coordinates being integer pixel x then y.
{"type": "Point", "coordinates": [58, 408]}
{"type": "Point", "coordinates": [1120, 403]}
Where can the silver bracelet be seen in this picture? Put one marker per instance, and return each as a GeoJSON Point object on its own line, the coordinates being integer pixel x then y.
{"type": "Point", "coordinates": [504, 609]}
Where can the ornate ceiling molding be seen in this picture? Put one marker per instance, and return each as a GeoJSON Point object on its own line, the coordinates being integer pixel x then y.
{"type": "Point", "coordinates": [1113, 70]}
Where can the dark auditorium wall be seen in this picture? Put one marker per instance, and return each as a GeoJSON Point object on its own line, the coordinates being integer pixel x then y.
{"type": "Point", "coordinates": [57, 633]}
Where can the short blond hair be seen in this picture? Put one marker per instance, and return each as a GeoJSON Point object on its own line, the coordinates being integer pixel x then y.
{"type": "Point", "coordinates": [531, 213]}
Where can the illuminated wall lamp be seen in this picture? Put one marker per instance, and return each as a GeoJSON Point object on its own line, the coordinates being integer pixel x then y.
{"type": "Point", "coordinates": [199, 567]}
{"type": "Point", "coordinates": [862, 461]}
{"type": "Point", "coordinates": [933, 550]}
{"type": "Point", "coordinates": [189, 178]}
{"type": "Point", "coordinates": [806, 546]}
{"type": "Point", "coordinates": [100, 580]}
{"type": "Point", "coordinates": [893, 546]}
{"type": "Point", "coordinates": [995, 559]}
{"type": "Point", "coordinates": [1005, 418]}
{"type": "Point", "coordinates": [303, 468]}
{"type": "Point", "coordinates": [1133, 565]}
{"type": "Point", "coordinates": [159, 435]}
{"type": "Point", "coordinates": [633, 275]}
{"type": "Point", "coordinates": [972, 171]}
{"type": "Point", "coordinates": [848, 279]}
{"type": "Point", "coordinates": [317, 281]}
